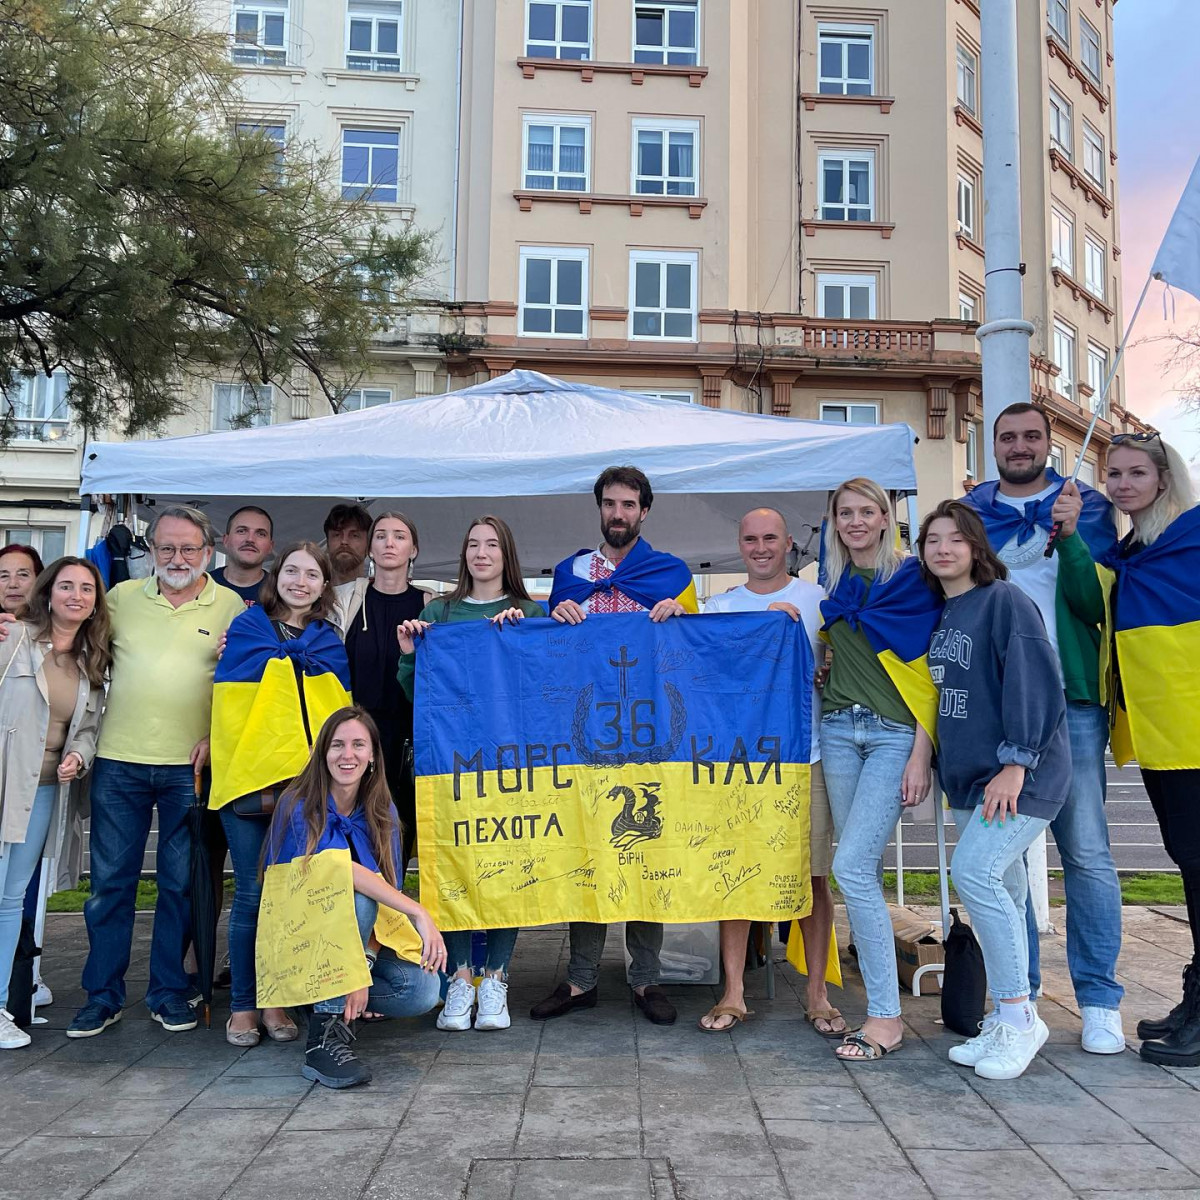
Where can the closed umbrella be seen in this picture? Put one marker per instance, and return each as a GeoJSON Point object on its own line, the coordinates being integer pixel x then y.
{"type": "Point", "coordinates": [207, 881]}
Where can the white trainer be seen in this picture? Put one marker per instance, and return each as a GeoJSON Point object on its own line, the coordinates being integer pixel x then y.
{"type": "Point", "coordinates": [967, 1054]}
{"type": "Point", "coordinates": [11, 1036]}
{"type": "Point", "coordinates": [1102, 1031]}
{"type": "Point", "coordinates": [1011, 1050]}
{"type": "Point", "coordinates": [460, 999]}
{"type": "Point", "coordinates": [493, 1004]}
{"type": "Point", "coordinates": [42, 996]}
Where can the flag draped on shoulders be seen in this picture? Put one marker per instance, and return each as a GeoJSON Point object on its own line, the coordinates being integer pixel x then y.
{"type": "Point", "coordinates": [644, 574]}
{"type": "Point", "coordinates": [1002, 521]}
{"type": "Point", "coordinates": [258, 715]}
{"type": "Point", "coordinates": [1154, 605]}
{"type": "Point", "coordinates": [898, 618]}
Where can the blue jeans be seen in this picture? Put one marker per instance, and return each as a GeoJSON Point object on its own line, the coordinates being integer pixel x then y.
{"type": "Point", "coordinates": [500, 946]}
{"type": "Point", "coordinates": [19, 863]}
{"type": "Point", "coordinates": [1089, 874]}
{"type": "Point", "coordinates": [124, 796]}
{"type": "Point", "coordinates": [988, 867]}
{"type": "Point", "coordinates": [245, 836]}
{"type": "Point", "coordinates": [399, 988]}
{"type": "Point", "coordinates": [863, 758]}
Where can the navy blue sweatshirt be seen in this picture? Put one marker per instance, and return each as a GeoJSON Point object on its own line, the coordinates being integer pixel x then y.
{"type": "Point", "coordinates": [1001, 701]}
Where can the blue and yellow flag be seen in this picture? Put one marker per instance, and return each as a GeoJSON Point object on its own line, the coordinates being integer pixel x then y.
{"type": "Point", "coordinates": [644, 574]}
{"type": "Point", "coordinates": [898, 618]}
{"type": "Point", "coordinates": [258, 724]}
{"type": "Point", "coordinates": [309, 947]}
{"type": "Point", "coordinates": [1154, 605]}
{"type": "Point", "coordinates": [617, 770]}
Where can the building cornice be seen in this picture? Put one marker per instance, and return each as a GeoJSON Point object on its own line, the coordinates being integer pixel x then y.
{"type": "Point", "coordinates": [883, 228]}
{"type": "Point", "coordinates": [588, 69]}
{"type": "Point", "coordinates": [527, 197]}
{"type": "Point", "coordinates": [812, 99]}
{"type": "Point", "coordinates": [1078, 180]}
{"type": "Point", "coordinates": [1076, 71]}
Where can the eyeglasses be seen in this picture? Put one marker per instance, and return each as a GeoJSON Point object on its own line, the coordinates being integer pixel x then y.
{"type": "Point", "coordinates": [191, 553]}
{"type": "Point", "coordinates": [1119, 438]}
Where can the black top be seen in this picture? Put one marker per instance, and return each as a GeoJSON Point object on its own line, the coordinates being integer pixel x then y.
{"type": "Point", "coordinates": [374, 653]}
{"type": "Point", "coordinates": [248, 592]}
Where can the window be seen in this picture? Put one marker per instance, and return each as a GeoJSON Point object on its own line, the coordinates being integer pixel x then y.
{"type": "Point", "coordinates": [50, 541]}
{"type": "Point", "coordinates": [370, 164]}
{"type": "Point", "coordinates": [558, 29]}
{"type": "Point", "coordinates": [1097, 373]}
{"type": "Point", "coordinates": [356, 399]}
{"type": "Point", "coordinates": [38, 407]}
{"type": "Point", "coordinates": [968, 74]}
{"type": "Point", "coordinates": [1089, 48]}
{"type": "Point", "coordinates": [554, 291]}
{"type": "Point", "coordinates": [1058, 13]}
{"type": "Point", "coordinates": [665, 158]}
{"type": "Point", "coordinates": [1064, 358]}
{"type": "Point", "coordinates": [851, 414]}
{"type": "Point", "coordinates": [972, 450]}
{"type": "Point", "coordinates": [260, 33]}
{"type": "Point", "coordinates": [667, 32]}
{"type": "Point", "coordinates": [1057, 457]}
{"type": "Point", "coordinates": [846, 297]}
{"type": "Point", "coordinates": [1087, 472]}
{"type": "Point", "coordinates": [242, 405]}
{"type": "Point", "coordinates": [678, 397]}
{"type": "Point", "coordinates": [968, 307]}
{"type": "Point", "coordinates": [1093, 154]}
{"type": "Point", "coordinates": [557, 153]}
{"type": "Point", "coordinates": [273, 131]}
{"type": "Point", "coordinates": [846, 60]}
{"type": "Point", "coordinates": [1093, 266]}
{"type": "Point", "coordinates": [373, 35]}
{"type": "Point", "coordinates": [1062, 241]}
{"type": "Point", "coordinates": [847, 182]}
{"type": "Point", "coordinates": [662, 295]}
{"type": "Point", "coordinates": [966, 206]}
{"type": "Point", "coordinates": [1060, 123]}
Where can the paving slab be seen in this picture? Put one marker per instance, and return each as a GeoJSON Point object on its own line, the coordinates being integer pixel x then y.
{"type": "Point", "coordinates": [1124, 1167]}
{"type": "Point", "coordinates": [986, 1175]}
{"type": "Point", "coordinates": [64, 1168]}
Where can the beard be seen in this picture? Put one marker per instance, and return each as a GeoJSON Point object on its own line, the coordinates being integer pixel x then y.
{"type": "Point", "coordinates": [179, 579]}
{"type": "Point", "coordinates": [618, 534]}
{"type": "Point", "coordinates": [346, 562]}
{"type": "Point", "coordinates": [1021, 474]}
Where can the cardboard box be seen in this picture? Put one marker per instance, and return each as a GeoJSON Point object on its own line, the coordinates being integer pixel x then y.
{"type": "Point", "coordinates": [918, 946]}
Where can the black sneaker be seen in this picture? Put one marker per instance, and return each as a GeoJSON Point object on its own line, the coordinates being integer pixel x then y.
{"type": "Point", "coordinates": [328, 1058]}
{"type": "Point", "coordinates": [175, 1015]}
{"type": "Point", "coordinates": [91, 1019]}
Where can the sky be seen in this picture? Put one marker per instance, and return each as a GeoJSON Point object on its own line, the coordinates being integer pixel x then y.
{"type": "Point", "coordinates": [1158, 141]}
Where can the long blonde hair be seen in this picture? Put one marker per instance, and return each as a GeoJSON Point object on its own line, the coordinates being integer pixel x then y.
{"type": "Point", "coordinates": [1177, 497]}
{"type": "Point", "coordinates": [888, 556]}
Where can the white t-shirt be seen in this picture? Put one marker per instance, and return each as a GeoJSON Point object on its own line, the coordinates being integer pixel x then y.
{"type": "Point", "coordinates": [806, 597]}
{"type": "Point", "coordinates": [1030, 569]}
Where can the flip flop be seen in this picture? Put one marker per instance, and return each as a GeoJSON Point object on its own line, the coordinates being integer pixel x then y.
{"type": "Point", "coordinates": [813, 1015]}
{"type": "Point", "coordinates": [872, 1051]}
{"type": "Point", "coordinates": [739, 1016]}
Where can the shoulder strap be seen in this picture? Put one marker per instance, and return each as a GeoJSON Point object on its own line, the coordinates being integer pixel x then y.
{"type": "Point", "coordinates": [20, 639]}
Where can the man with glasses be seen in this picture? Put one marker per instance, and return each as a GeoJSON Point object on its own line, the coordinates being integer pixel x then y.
{"type": "Point", "coordinates": [153, 742]}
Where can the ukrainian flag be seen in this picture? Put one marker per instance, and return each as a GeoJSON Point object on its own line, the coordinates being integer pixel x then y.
{"type": "Point", "coordinates": [259, 732]}
{"type": "Point", "coordinates": [644, 574]}
{"type": "Point", "coordinates": [1154, 611]}
{"type": "Point", "coordinates": [898, 618]}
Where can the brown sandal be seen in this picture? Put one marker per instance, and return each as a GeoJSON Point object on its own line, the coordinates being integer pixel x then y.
{"type": "Point", "coordinates": [813, 1015]}
{"type": "Point", "coordinates": [739, 1016]}
{"type": "Point", "coordinates": [872, 1051]}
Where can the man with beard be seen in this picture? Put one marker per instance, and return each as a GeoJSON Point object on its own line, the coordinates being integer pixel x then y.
{"type": "Point", "coordinates": [1020, 510]}
{"type": "Point", "coordinates": [346, 540]}
{"type": "Point", "coordinates": [624, 575]}
{"type": "Point", "coordinates": [153, 741]}
{"type": "Point", "coordinates": [248, 542]}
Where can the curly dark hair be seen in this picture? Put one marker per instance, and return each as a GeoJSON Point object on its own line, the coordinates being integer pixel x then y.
{"type": "Point", "coordinates": [629, 477]}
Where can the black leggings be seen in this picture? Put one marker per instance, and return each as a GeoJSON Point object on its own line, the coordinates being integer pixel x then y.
{"type": "Point", "coordinates": [1175, 796]}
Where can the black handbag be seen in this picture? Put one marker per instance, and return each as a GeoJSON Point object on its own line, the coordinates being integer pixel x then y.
{"type": "Point", "coordinates": [20, 984]}
{"type": "Point", "coordinates": [258, 804]}
{"type": "Point", "coordinates": [964, 980]}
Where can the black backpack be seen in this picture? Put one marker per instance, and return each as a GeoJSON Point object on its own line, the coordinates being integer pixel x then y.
{"type": "Point", "coordinates": [964, 981]}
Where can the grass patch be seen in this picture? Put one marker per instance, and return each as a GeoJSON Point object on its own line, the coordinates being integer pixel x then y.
{"type": "Point", "coordinates": [1152, 888]}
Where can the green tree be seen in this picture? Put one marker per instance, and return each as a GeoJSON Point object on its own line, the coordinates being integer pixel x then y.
{"type": "Point", "coordinates": [146, 236]}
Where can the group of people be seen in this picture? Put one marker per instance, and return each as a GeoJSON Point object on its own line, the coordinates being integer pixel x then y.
{"type": "Point", "coordinates": [989, 657]}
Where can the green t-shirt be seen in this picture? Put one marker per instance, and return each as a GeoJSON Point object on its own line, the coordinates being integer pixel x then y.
{"type": "Point", "coordinates": [857, 676]}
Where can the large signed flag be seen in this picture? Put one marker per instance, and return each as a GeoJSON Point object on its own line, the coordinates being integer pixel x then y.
{"type": "Point", "coordinates": [614, 770]}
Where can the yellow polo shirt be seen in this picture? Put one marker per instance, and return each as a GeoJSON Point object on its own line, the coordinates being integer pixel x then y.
{"type": "Point", "coordinates": [160, 697]}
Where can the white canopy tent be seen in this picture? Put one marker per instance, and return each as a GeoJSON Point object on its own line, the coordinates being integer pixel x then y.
{"type": "Point", "coordinates": [527, 448]}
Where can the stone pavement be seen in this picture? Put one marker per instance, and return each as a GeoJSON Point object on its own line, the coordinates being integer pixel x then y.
{"type": "Point", "coordinates": [599, 1103]}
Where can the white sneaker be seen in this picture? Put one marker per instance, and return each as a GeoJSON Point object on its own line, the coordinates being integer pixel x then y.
{"type": "Point", "coordinates": [11, 1037]}
{"type": "Point", "coordinates": [42, 996]}
{"type": "Point", "coordinates": [1102, 1031]}
{"type": "Point", "coordinates": [493, 1004]}
{"type": "Point", "coordinates": [1011, 1050]}
{"type": "Point", "coordinates": [460, 999]}
{"type": "Point", "coordinates": [969, 1053]}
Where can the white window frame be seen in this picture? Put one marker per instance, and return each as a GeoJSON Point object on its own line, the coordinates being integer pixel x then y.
{"type": "Point", "coordinates": [828, 279]}
{"type": "Point", "coordinates": [555, 254]}
{"type": "Point", "coordinates": [35, 536]}
{"type": "Point", "coordinates": [263, 407]}
{"type": "Point", "coordinates": [559, 122]}
{"type": "Point", "coordinates": [558, 44]}
{"type": "Point", "coordinates": [34, 395]}
{"type": "Point", "coordinates": [1090, 40]}
{"type": "Point", "coordinates": [1095, 265]}
{"type": "Point", "coordinates": [965, 191]}
{"type": "Point", "coordinates": [664, 258]}
{"type": "Point", "coordinates": [846, 34]}
{"type": "Point", "coordinates": [1062, 117]}
{"type": "Point", "coordinates": [1087, 472]}
{"type": "Point", "coordinates": [664, 52]}
{"type": "Point", "coordinates": [845, 157]}
{"type": "Point", "coordinates": [972, 449]}
{"type": "Point", "coordinates": [358, 399]}
{"type": "Point", "coordinates": [380, 62]}
{"type": "Point", "coordinates": [666, 127]}
{"type": "Point", "coordinates": [1058, 17]}
{"type": "Point", "coordinates": [1057, 458]}
{"type": "Point", "coordinates": [968, 307]}
{"type": "Point", "coordinates": [677, 395]}
{"type": "Point", "coordinates": [1066, 347]}
{"type": "Point", "coordinates": [258, 53]}
{"type": "Point", "coordinates": [966, 77]}
{"type": "Point", "coordinates": [1093, 155]}
{"type": "Point", "coordinates": [368, 188]}
{"type": "Point", "coordinates": [1097, 372]}
{"type": "Point", "coordinates": [849, 408]}
{"type": "Point", "coordinates": [1062, 240]}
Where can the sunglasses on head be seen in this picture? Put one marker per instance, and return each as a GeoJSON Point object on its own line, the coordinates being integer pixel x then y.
{"type": "Point", "coordinates": [1121, 438]}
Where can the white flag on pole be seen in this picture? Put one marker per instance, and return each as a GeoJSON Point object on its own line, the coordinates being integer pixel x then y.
{"type": "Point", "coordinates": [1177, 262]}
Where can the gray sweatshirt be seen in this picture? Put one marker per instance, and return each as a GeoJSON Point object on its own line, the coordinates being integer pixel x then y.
{"type": "Point", "coordinates": [1001, 700]}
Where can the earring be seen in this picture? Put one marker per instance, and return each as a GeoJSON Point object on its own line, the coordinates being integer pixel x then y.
{"type": "Point", "coordinates": [371, 765]}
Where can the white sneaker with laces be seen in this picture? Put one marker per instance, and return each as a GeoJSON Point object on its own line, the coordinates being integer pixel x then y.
{"type": "Point", "coordinates": [11, 1037]}
{"type": "Point", "coordinates": [460, 999]}
{"type": "Point", "coordinates": [1011, 1050]}
{"type": "Point", "coordinates": [1102, 1031]}
{"type": "Point", "coordinates": [493, 1004]}
{"type": "Point", "coordinates": [969, 1053]}
{"type": "Point", "coordinates": [42, 996]}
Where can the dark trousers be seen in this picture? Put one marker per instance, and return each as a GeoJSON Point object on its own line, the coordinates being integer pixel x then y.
{"type": "Point", "coordinates": [1175, 796]}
